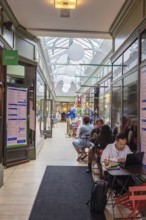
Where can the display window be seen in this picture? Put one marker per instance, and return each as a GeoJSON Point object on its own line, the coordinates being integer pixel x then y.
{"type": "Point", "coordinates": [40, 91]}
{"type": "Point", "coordinates": [143, 46]}
{"type": "Point", "coordinates": [131, 57]}
{"type": "Point", "coordinates": [116, 108]}
{"type": "Point", "coordinates": [129, 119]}
{"type": "Point", "coordinates": [117, 68]}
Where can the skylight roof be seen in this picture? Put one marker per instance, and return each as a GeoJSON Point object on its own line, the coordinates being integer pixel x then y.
{"type": "Point", "coordinates": [70, 60]}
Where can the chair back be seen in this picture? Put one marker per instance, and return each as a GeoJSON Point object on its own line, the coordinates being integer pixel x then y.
{"type": "Point", "coordinates": [138, 197]}
{"type": "Point", "coordinates": [134, 200]}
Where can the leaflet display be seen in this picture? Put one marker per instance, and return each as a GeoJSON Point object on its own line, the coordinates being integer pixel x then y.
{"type": "Point", "coordinates": [16, 116]}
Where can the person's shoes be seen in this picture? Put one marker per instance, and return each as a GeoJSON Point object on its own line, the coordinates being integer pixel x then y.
{"type": "Point", "coordinates": [88, 170]}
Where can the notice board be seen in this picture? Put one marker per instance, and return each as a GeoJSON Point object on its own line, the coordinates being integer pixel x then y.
{"type": "Point", "coordinates": [16, 117]}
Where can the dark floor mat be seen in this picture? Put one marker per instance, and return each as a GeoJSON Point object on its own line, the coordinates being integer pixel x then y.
{"type": "Point", "coordinates": [63, 194]}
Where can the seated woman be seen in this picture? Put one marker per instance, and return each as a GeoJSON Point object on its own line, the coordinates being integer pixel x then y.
{"type": "Point", "coordinates": [83, 135]}
{"type": "Point", "coordinates": [104, 138]}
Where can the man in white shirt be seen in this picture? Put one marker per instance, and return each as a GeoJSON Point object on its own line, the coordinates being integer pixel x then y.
{"type": "Point", "coordinates": [116, 151]}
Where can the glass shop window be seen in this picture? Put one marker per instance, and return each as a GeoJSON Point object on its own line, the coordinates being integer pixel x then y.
{"type": "Point", "coordinates": [129, 120]}
{"type": "Point", "coordinates": [116, 107]}
{"type": "Point", "coordinates": [117, 68]}
{"type": "Point", "coordinates": [143, 46]}
{"type": "Point", "coordinates": [131, 57]}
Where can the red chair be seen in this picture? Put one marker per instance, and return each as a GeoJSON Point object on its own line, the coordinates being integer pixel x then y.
{"type": "Point", "coordinates": [134, 200]}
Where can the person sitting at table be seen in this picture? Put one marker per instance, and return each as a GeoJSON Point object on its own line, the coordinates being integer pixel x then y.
{"type": "Point", "coordinates": [117, 152]}
{"type": "Point", "coordinates": [104, 138]}
{"type": "Point", "coordinates": [82, 140]}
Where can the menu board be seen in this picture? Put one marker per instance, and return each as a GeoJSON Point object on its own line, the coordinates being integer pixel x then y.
{"type": "Point", "coordinates": [143, 111]}
{"type": "Point", "coordinates": [16, 116]}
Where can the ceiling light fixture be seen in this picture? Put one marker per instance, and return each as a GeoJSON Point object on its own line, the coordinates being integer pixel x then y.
{"type": "Point", "coordinates": [65, 4]}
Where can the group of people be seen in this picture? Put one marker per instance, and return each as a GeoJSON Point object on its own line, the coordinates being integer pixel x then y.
{"type": "Point", "coordinates": [101, 139]}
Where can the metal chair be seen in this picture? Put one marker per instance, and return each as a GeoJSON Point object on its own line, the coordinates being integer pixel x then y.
{"type": "Point", "coordinates": [134, 200]}
{"type": "Point", "coordinates": [83, 152]}
{"type": "Point", "coordinates": [96, 160]}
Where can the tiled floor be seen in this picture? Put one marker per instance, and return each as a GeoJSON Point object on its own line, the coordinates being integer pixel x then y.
{"type": "Point", "coordinates": [21, 182]}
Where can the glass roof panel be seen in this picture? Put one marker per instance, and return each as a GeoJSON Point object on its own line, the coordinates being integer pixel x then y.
{"type": "Point", "coordinates": [71, 60]}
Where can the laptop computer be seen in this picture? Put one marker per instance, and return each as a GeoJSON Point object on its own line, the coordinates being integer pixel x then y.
{"type": "Point", "coordinates": [133, 160]}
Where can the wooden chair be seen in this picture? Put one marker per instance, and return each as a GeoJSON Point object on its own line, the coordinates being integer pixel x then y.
{"type": "Point", "coordinates": [134, 200]}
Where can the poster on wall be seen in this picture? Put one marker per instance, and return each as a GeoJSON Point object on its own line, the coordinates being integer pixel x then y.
{"type": "Point", "coordinates": [16, 116]}
{"type": "Point", "coordinates": [143, 111]}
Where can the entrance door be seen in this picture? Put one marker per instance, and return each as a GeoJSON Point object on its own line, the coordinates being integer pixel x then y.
{"type": "Point", "coordinates": [46, 117]}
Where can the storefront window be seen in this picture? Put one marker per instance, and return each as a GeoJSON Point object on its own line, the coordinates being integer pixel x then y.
{"type": "Point", "coordinates": [131, 57]}
{"type": "Point", "coordinates": [83, 104]}
{"type": "Point", "coordinates": [96, 103]}
{"type": "Point", "coordinates": [105, 101]}
{"type": "Point", "coordinates": [101, 106]}
{"type": "Point", "coordinates": [107, 85]}
{"type": "Point", "coordinates": [117, 68]}
{"type": "Point", "coordinates": [116, 108]}
{"type": "Point", "coordinates": [64, 110]}
{"type": "Point", "coordinates": [129, 121]}
{"type": "Point", "coordinates": [107, 108]}
{"type": "Point", "coordinates": [143, 46]}
{"type": "Point", "coordinates": [39, 108]}
{"type": "Point", "coordinates": [101, 89]}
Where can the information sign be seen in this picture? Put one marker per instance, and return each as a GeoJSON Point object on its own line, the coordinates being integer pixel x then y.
{"type": "Point", "coordinates": [16, 116]}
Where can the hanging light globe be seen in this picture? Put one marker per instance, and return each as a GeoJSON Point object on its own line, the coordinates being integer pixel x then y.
{"type": "Point", "coordinates": [76, 52]}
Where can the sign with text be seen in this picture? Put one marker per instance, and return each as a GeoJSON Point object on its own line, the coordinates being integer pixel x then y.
{"type": "Point", "coordinates": [10, 57]}
{"type": "Point", "coordinates": [16, 116]}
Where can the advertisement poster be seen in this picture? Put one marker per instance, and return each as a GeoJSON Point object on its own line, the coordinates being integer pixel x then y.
{"type": "Point", "coordinates": [143, 111]}
{"type": "Point", "coordinates": [16, 116]}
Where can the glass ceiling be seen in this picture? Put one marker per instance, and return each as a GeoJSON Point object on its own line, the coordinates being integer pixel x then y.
{"type": "Point", "coordinates": [73, 60]}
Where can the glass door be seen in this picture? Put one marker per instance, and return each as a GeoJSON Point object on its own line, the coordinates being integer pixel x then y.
{"type": "Point", "coordinates": [46, 117]}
